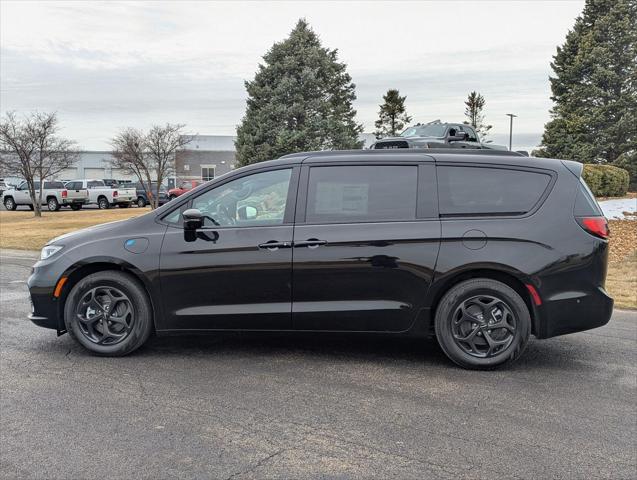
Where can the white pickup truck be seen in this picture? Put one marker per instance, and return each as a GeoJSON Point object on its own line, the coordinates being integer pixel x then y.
{"type": "Point", "coordinates": [54, 196]}
{"type": "Point", "coordinates": [105, 196]}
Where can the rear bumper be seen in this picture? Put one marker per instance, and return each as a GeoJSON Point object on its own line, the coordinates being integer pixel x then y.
{"type": "Point", "coordinates": [570, 312]}
{"type": "Point", "coordinates": [123, 200]}
{"type": "Point", "coordinates": [74, 201]}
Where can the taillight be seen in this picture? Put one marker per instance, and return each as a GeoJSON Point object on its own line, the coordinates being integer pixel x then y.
{"type": "Point", "coordinates": [64, 193]}
{"type": "Point", "coordinates": [114, 193]}
{"type": "Point", "coordinates": [597, 226]}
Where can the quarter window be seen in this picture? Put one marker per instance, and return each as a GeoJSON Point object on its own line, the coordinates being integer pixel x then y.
{"type": "Point", "coordinates": [362, 194]}
{"type": "Point", "coordinates": [488, 191]}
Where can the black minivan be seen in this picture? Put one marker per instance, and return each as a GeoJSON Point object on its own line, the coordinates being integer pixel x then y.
{"type": "Point", "coordinates": [479, 249]}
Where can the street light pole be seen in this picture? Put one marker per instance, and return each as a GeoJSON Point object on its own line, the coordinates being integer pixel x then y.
{"type": "Point", "coordinates": [510, 115]}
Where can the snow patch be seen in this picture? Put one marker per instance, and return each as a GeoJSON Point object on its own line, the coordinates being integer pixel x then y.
{"type": "Point", "coordinates": [620, 209]}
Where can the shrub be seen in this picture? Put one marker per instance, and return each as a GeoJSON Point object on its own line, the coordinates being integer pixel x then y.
{"type": "Point", "coordinates": [606, 180]}
{"type": "Point", "coordinates": [628, 161]}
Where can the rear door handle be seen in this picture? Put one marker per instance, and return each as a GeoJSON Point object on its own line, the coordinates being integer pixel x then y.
{"type": "Point", "coordinates": [310, 243]}
{"type": "Point", "coordinates": [273, 245]}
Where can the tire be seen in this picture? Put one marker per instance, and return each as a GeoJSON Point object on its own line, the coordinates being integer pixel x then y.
{"type": "Point", "coordinates": [52, 204]}
{"type": "Point", "coordinates": [141, 203]}
{"type": "Point", "coordinates": [76, 206]}
{"type": "Point", "coordinates": [103, 203]}
{"type": "Point", "coordinates": [9, 203]}
{"type": "Point", "coordinates": [123, 205]}
{"type": "Point", "coordinates": [172, 197]}
{"type": "Point", "coordinates": [125, 337]}
{"type": "Point", "coordinates": [474, 343]}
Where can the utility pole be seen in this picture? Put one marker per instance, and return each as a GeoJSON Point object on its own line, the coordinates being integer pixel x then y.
{"type": "Point", "coordinates": [511, 116]}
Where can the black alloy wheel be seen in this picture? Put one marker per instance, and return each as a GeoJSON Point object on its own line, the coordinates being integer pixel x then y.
{"type": "Point", "coordinates": [109, 313]}
{"type": "Point", "coordinates": [105, 315]}
{"type": "Point", "coordinates": [483, 326]}
{"type": "Point", "coordinates": [482, 323]}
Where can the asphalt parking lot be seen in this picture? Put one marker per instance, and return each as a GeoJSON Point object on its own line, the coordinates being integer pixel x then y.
{"type": "Point", "coordinates": [285, 406]}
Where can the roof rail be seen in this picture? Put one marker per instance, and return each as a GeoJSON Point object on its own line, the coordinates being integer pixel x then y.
{"type": "Point", "coordinates": [426, 151]}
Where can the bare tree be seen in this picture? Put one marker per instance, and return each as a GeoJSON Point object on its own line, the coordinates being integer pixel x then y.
{"type": "Point", "coordinates": [31, 148]}
{"type": "Point", "coordinates": [162, 145]}
{"type": "Point", "coordinates": [129, 155]}
{"type": "Point", "coordinates": [149, 156]}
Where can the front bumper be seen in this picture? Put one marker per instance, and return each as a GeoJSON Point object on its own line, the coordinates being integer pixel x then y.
{"type": "Point", "coordinates": [571, 312]}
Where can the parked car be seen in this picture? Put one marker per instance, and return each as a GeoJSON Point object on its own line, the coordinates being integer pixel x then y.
{"type": "Point", "coordinates": [54, 196]}
{"type": "Point", "coordinates": [104, 196]}
{"type": "Point", "coordinates": [3, 186]}
{"type": "Point", "coordinates": [479, 249]}
{"type": "Point", "coordinates": [183, 187]}
{"type": "Point", "coordinates": [142, 195]}
{"type": "Point", "coordinates": [437, 135]}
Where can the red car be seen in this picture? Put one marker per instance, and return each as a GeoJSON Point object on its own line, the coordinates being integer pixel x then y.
{"type": "Point", "coordinates": [184, 187]}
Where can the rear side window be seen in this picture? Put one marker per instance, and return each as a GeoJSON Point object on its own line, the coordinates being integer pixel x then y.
{"type": "Point", "coordinates": [53, 185]}
{"type": "Point", "coordinates": [585, 203]}
{"type": "Point", "coordinates": [488, 191]}
{"type": "Point", "coordinates": [362, 194]}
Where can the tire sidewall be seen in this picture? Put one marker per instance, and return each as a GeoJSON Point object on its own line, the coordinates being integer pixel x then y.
{"type": "Point", "coordinates": [465, 290]}
{"type": "Point", "coordinates": [141, 310]}
{"type": "Point", "coordinates": [9, 204]}
{"type": "Point", "coordinates": [53, 205]}
{"type": "Point", "coordinates": [141, 203]}
{"type": "Point", "coordinates": [102, 203]}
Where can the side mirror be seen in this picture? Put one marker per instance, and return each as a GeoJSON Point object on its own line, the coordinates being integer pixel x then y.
{"type": "Point", "coordinates": [247, 212]}
{"type": "Point", "coordinates": [459, 137]}
{"type": "Point", "coordinates": [193, 219]}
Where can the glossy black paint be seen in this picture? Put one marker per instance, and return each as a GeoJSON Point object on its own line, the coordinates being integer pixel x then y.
{"type": "Point", "coordinates": [371, 277]}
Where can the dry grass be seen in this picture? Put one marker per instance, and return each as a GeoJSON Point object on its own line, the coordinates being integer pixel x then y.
{"type": "Point", "coordinates": [621, 281]}
{"type": "Point", "coordinates": [21, 230]}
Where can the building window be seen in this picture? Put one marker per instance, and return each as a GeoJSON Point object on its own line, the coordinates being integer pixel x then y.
{"type": "Point", "coordinates": [207, 172]}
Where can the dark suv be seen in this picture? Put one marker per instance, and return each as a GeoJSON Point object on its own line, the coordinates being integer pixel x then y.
{"type": "Point", "coordinates": [437, 135]}
{"type": "Point", "coordinates": [479, 249]}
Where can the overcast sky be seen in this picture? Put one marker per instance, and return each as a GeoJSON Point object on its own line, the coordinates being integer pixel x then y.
{"type": "Point", "coordinates": [103, 66]}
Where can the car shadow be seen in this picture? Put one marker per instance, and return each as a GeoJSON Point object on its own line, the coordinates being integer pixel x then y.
{"type": "Point", "coordinates": [545, 355]}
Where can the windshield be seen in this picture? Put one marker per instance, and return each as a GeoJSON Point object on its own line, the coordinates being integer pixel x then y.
{"type": "Point", "coordinates": [433, 130]}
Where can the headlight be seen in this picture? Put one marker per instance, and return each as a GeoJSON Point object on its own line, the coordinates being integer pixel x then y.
{"type": "Point", "coordinates": [49, 251]}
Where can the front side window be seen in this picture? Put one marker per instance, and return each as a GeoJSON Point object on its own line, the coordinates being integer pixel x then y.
{"type": "Point", "coordinates": [488, 191]}
{"type": "Point", "coordinates": [362, 194]}
{"type": "Point", "coordinates": [255, 200]}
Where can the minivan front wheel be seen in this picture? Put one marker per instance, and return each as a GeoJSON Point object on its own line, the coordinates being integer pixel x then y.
{"type": "Point", "coordinates": [108, 313]}
{"type": "Point", "coordinates": [482, 323]}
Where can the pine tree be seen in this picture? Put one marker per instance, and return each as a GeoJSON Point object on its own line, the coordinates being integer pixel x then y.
{"type": "Point", "coordinates": [595, 86]}
{"type": "Point", "coordinates": [475, 103]}
{"type": "Point", "coordinates": [392, 116]}
{"type": "Point", "coordinates": [300, 99]}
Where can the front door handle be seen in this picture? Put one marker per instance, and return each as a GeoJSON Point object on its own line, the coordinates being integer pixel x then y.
{"type": "Point", "coordinates": [310, 243]}
{"type": "Point", "coordinates": [273, 245]}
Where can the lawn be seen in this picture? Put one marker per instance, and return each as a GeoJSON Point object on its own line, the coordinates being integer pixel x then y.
{"type": "Point", "coordinates": [20, 230]}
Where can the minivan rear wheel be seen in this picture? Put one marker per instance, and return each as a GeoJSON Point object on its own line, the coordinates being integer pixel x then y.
{"type": "Point", "coordinates": [108, 313]}
{"type": "Point", "coordinates": [482, 323]}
